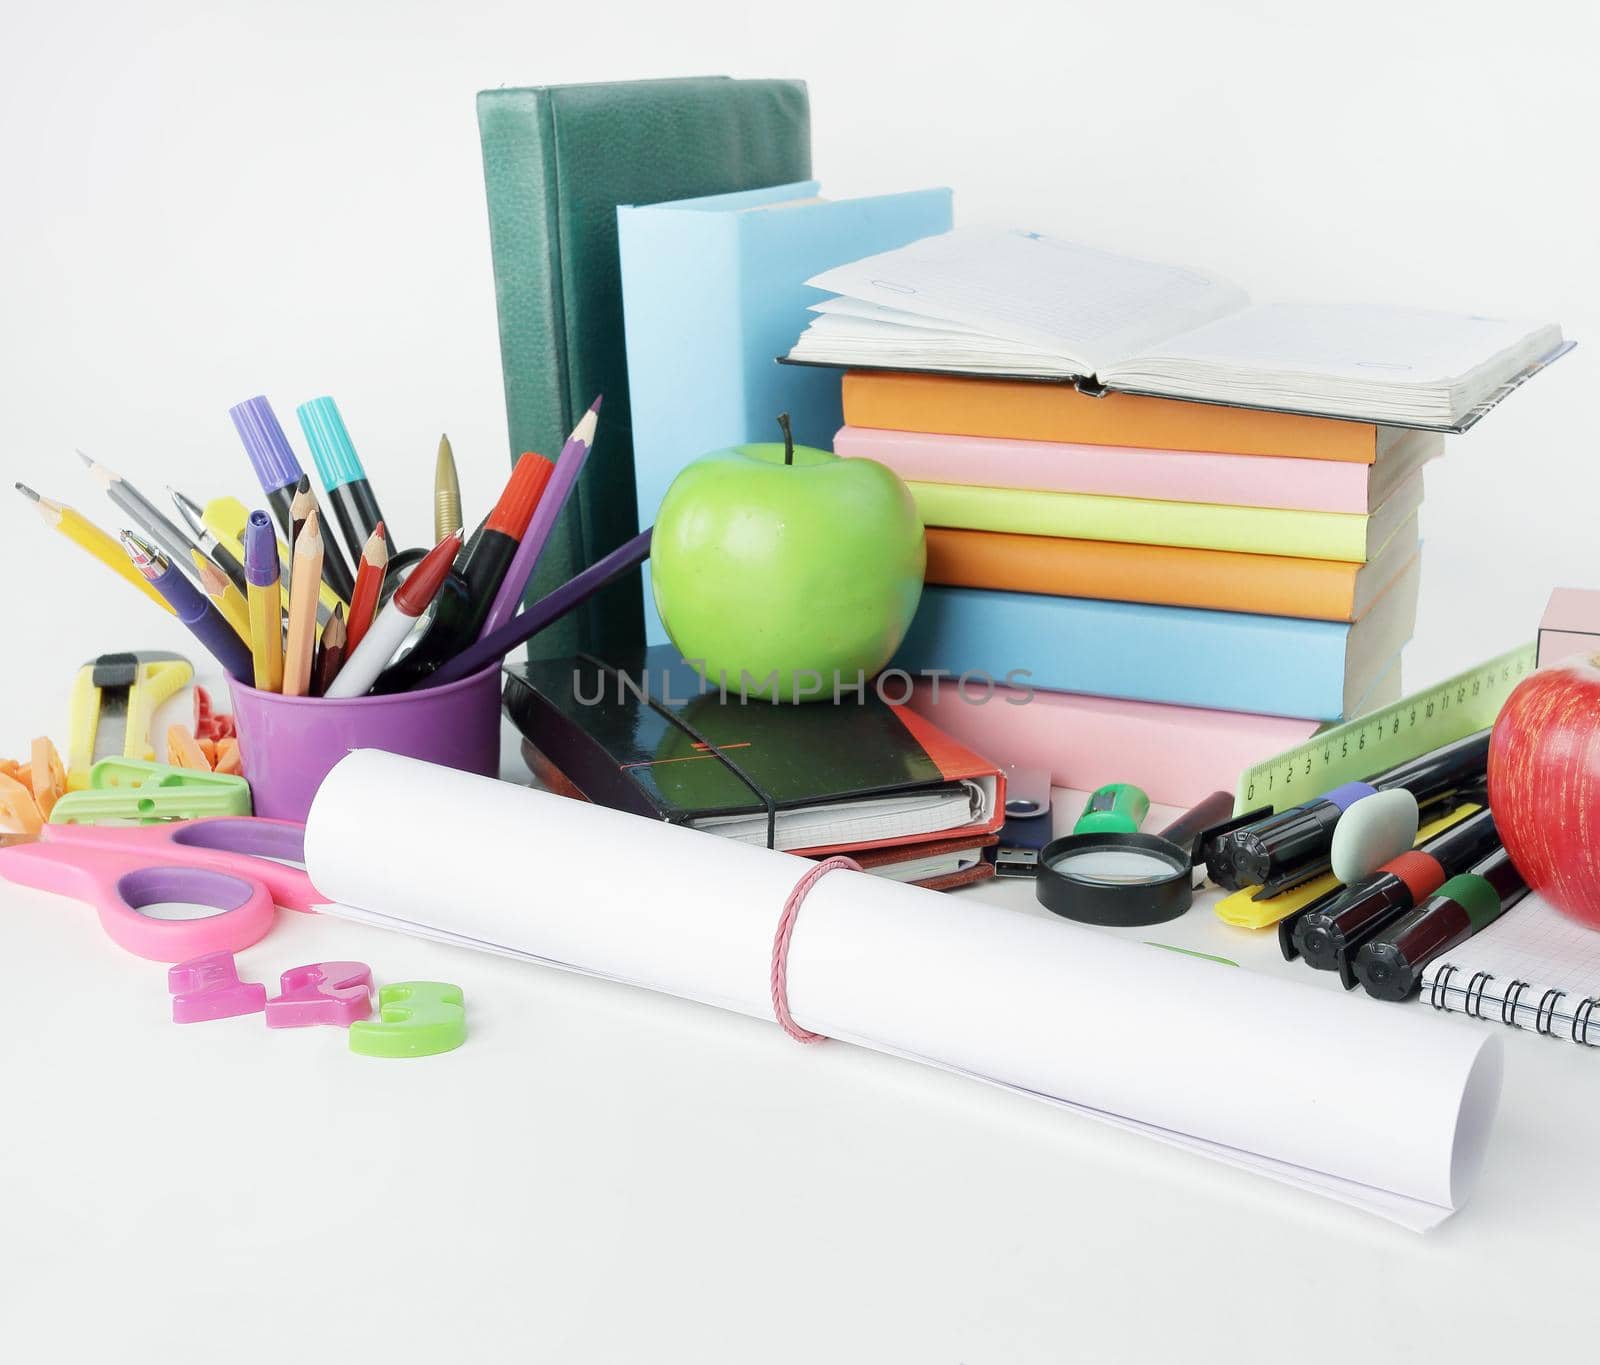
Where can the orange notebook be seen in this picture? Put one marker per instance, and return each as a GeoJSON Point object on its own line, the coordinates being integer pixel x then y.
{"type": "Point", "coordinates": [955, 405]}
{"type": "Point", "coordinates": [1221, 580]}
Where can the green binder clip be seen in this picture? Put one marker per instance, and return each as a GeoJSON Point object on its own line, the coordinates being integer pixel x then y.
{"type": "Point", "coordinates": [135, 791]}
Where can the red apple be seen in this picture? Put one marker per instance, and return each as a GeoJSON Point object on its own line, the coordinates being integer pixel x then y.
{"type": "Point", "coordinates": [1544, 783]}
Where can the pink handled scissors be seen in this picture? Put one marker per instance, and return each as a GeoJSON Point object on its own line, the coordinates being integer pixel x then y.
{"type": "Point", "coordinates": [234, 867]}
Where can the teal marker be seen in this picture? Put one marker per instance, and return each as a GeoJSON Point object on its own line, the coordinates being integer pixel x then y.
{"type": "Point", "coordinates": [339, 468]}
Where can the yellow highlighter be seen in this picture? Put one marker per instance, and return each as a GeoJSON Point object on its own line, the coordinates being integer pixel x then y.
{"type": "Point", "coordinates": [225, 519]}
{"type": "Point", "coordinates": [84, 533]}
{"type": "Point", "coordinates": [263, 588]}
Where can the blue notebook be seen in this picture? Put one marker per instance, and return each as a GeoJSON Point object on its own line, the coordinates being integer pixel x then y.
{"type": "Point", "coordinates": [713, 291]}
{"type": "Point", "coordinates": [1271, 665]}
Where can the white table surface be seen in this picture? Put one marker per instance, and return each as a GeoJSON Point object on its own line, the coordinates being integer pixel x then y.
{"type": "Point", "coordinates": [604, 1174]}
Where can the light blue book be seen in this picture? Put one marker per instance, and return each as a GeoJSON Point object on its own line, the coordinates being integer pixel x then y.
{"type": "Point", "coordinates": [713, 291]}
{"type": "Point", "coordinates": [1226, 660]}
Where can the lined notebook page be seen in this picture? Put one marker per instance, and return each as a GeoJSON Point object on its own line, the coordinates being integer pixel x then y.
{"type": "Point", "coordinates": [1533, 968]}
{"type": "Point", "coordinates": [1093, 305]}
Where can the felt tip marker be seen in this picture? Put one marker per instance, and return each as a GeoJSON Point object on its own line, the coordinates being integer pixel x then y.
{"type": "Point", "coordinates": [355, 507]}
{"type": "Point", "coordinates": [460, 615]}
{"type": "Point", "coordinates": [1390, 967]}
{"type": "Point", "coordinates": [279, 474]}
{"type": "Point", "coordinates": [1366, 907]}
{"type": "Point", "coordinates": [1291, 843]}
{"type": "Point", "coordinates": [190, 605]}
{"type": "Point", "coordinates": [1292, 846]}
{"type": "Point", "coordinates": [396, 621]}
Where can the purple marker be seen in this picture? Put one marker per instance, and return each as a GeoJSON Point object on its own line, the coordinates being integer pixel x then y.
{"type": "Point", "coordinates": [1294, 845]}
{"type": "Point", "coordinates": [195, 610]}
{"type": "Point", "coordinates": [279, 472]}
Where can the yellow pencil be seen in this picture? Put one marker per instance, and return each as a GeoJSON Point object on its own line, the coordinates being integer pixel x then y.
{"type": "Point", "coordinates": [86, 535]}
{"type": "Point", "coordinates": [230, 601]}
{"type": "Point", "coordinates": [301, 648]}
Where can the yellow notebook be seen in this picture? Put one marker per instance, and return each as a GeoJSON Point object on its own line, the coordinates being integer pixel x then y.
{"type": "Point", "coordinates": [1343, 536]}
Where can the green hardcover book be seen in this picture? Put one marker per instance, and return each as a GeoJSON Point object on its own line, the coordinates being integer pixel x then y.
{"type": "Point", "coordinates": [557, 161]}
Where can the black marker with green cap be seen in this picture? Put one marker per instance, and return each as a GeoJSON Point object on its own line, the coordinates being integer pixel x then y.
{"type": "Point", "coordinates": [1390, 967]}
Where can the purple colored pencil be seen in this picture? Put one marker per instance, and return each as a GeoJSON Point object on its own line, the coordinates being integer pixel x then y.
{"type": "Point", "coordinates": [191, 606]}
{"type": "Point", "coordinates": [549, 608]}
{"type": "Point", "coordinates": [568, 466]}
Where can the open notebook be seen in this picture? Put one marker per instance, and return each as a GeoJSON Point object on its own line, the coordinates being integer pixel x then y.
{"type": "Point", "coordinates": [1533, 968]}
{"type": "Point", "coordinates": [1010, 302]}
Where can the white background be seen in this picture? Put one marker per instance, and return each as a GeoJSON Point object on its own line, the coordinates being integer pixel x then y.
{"type": "Point", "coordinates": [202, 201]}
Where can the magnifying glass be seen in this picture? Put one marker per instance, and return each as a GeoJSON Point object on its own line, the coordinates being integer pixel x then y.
{"type": "Point", "coordinates": [1105, 872]}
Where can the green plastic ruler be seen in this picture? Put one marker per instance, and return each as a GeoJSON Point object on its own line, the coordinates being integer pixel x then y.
{"type": "Point", "coordinates": [1403, 730]}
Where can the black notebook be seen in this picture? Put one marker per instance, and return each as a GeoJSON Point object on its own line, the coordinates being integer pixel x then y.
{"type": "Point", "coordinates": [646, 734]}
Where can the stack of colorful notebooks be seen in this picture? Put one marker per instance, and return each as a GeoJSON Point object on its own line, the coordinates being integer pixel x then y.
{"type": "Point", "coordinates": [1184, 588]}
{"type": "Point", "coordinates": [1187, 518]}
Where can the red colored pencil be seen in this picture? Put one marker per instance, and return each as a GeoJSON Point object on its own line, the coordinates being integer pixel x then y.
{"type": "Point", "coordinates": [370, 573]}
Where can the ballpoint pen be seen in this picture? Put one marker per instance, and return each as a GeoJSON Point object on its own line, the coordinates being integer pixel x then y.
{"type": "Point", "coordinates": [208, 625]}
{"type": "Point", "coordinates": [218, 553]}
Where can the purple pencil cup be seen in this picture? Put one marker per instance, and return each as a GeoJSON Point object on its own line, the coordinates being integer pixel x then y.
{"type": "Point", "coordinates": [289, 744]}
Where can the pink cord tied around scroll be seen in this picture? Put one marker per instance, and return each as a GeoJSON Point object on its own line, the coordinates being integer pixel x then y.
{"type": "Point", "coordinates": [780, 946]}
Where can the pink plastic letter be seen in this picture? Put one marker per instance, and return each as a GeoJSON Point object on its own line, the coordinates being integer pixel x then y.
{"type": "Point", "coordinates": [322, 993]}
{"type": "Point", "coordinates": [208, 987]}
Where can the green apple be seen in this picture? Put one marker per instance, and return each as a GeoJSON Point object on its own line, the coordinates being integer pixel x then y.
{"type": "Point", "coordinates": [784, 568]}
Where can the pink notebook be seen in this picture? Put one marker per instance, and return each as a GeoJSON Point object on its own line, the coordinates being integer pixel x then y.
{"type": "Point", "coordinates": [1176, 754]}
{"type": "Point", "coordinates": [1122, 471]}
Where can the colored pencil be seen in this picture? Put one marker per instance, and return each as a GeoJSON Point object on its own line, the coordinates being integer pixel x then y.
{"type": "Point", "coordinates": [87, 536]}
{"type": "Point", "coordinates": [330, 654]}
{"type": "Point", "coordinates": [371, 570]}
{"type": "Point", "coordinates": [266, 615]}
{"type": "Point", "coordinates": [228, 599]}
{"type": "Point", "coordinates": [301, 506]}
{"type": "Point", "coordinates": [562, 482]}
{"type": "Point", "coordinates": [208, 625]}
{"type": "Point", "coordinates": [551, 607]}
{"type": "Point", "coordinates": [301, 642]}
{"type": "Point", "coordinates": [446, 492]}
{"type": "Point", "coordinates": [396, 620]}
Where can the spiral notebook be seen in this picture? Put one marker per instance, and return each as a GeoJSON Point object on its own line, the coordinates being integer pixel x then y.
{"type": "Point", "coordinates": [1534, 968]}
